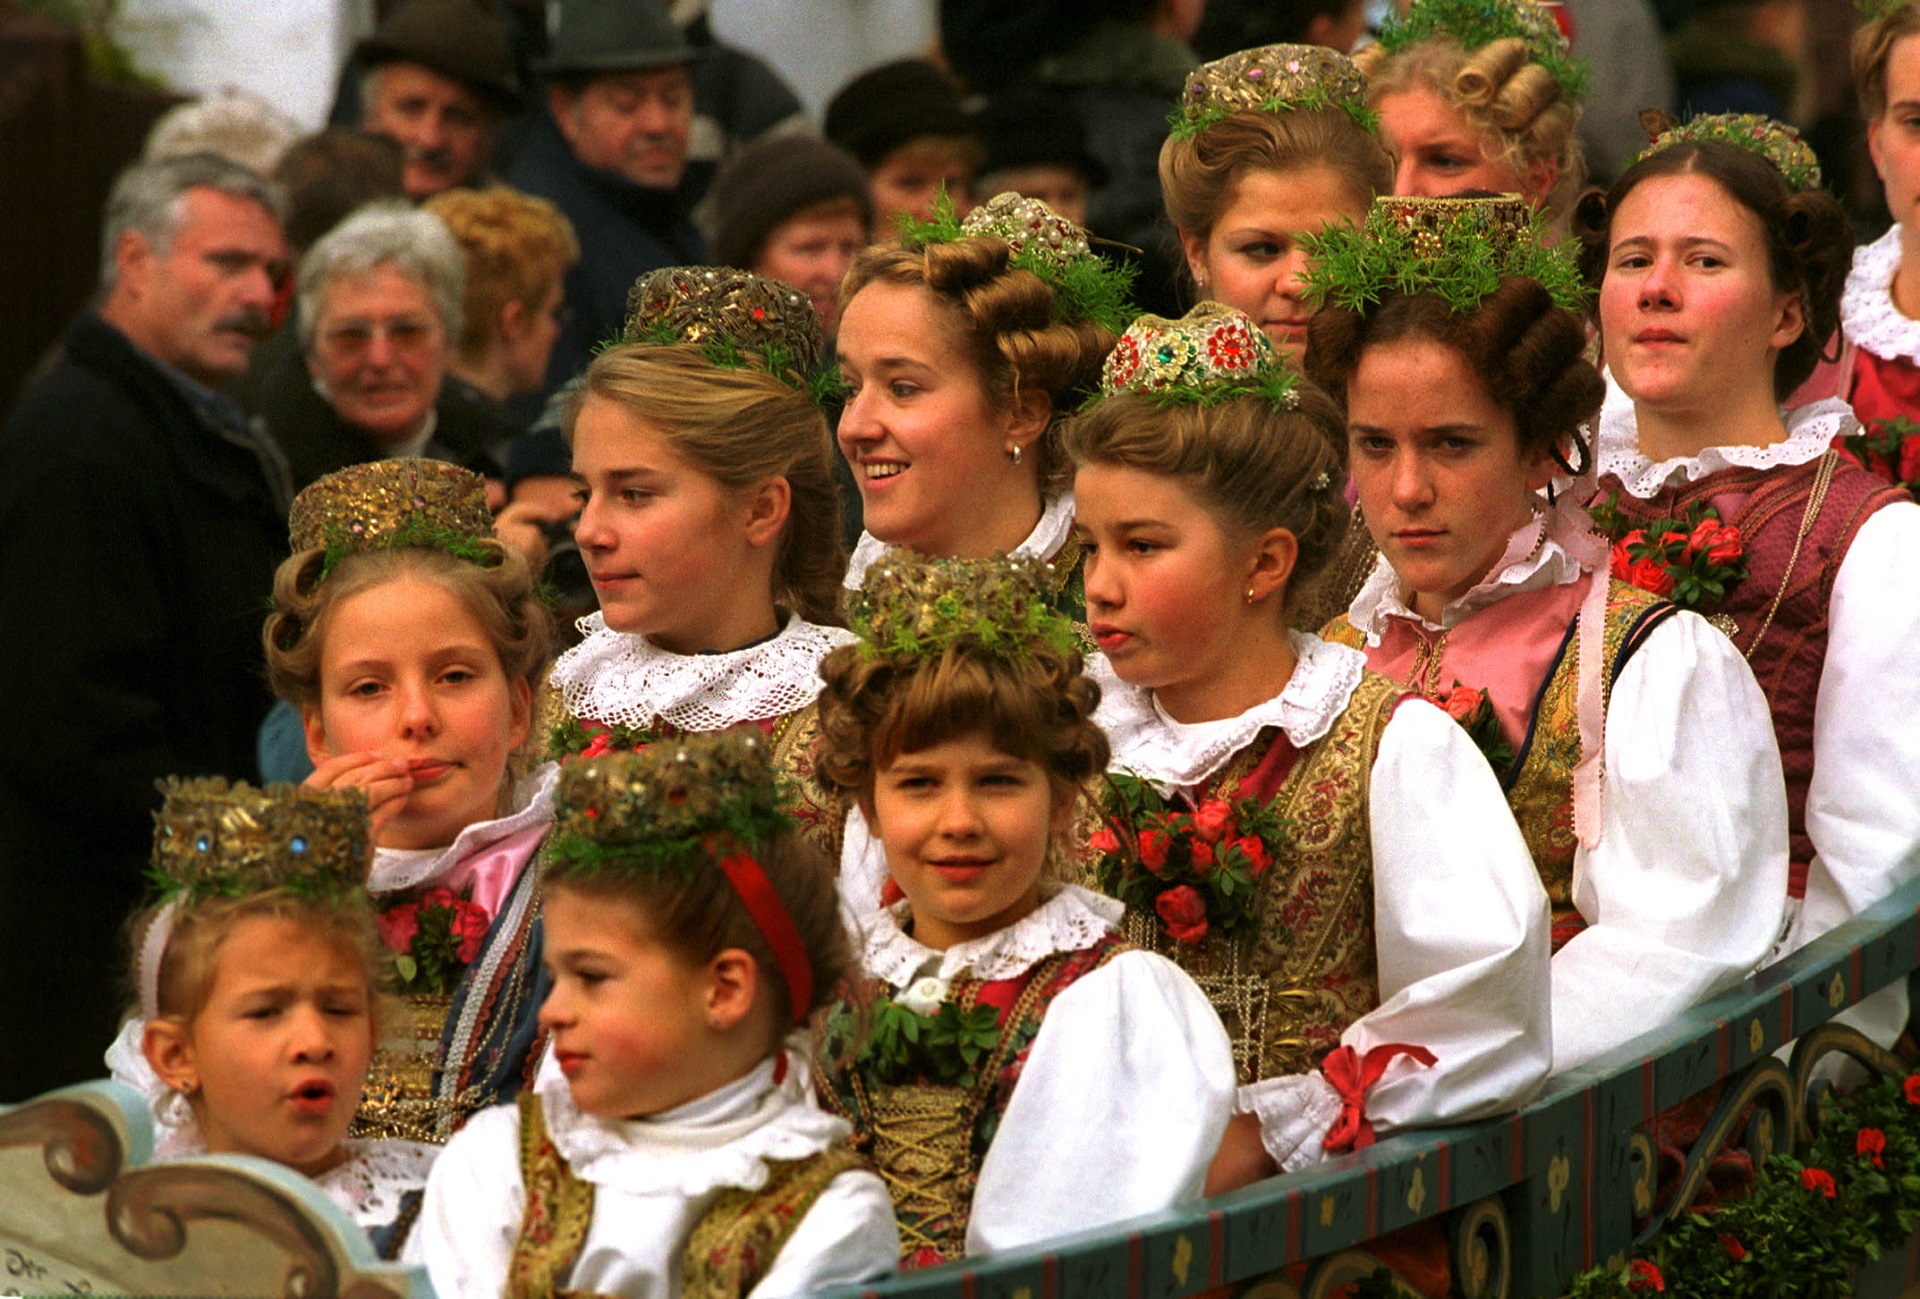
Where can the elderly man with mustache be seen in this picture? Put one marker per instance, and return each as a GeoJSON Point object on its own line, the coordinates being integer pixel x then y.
{"type": "Point", "coordinates": [140, 524]}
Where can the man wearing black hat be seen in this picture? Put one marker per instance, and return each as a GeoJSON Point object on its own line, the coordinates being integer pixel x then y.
{"type": "Point", "coordinates": [439, 77]}
{"type": "Point", "coordinates": [609, 153]}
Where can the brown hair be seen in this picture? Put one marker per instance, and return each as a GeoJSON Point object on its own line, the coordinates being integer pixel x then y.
{"type": "Point", "coordinates": [1037, 707]}
{"type": "Point", "coordinates": [741, 427]}
{"type": "Point", "coordinates": [1002, 318]}
{"type": "Point", "coordinates": [1498, 89]}
{"type": "Point", "coordinates": [1873, 50]}
{"type": "Point", "coordinates": [697, 914]}
{"type": "Point", "coordinates": [1253, 466]}
{"type": "Point", "coordinates": [518, 248]}
{"type": "Point", "coordinates": [1808, 239]}
{"type": "Point", "coordinates": [1197, 175]}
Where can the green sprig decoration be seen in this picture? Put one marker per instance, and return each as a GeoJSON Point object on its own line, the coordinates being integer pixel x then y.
{"type": "Point", "coordinates": [419, 533]}
{"type": "Point", "coordinates": [1182, 125]}
{"type": "Point", "coordinates": [1274, 79]}
{"type": "Point", "coordinates": [401, 503]}
{"type": "Point", "coordinates": [1474, 24]}
{"type": "Point", "coordinates": [214, 839]}
{"type": "Point", "coordinates": [671, 807]}
{"type": "Point", "coordinates": [1458, 249]}
{"type": "Point", "coordinates": [947, 1046]}
{"type": "Point", "coordinates": [914, 606]}
{"type": "Point", "coordinates": [737, 320]}
{"type": "Point", "coordinates": [1086, 287]}
{"type": "Point", "coordinates": [1773, 140]}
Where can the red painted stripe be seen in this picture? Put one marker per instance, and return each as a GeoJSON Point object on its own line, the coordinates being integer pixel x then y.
{"type": "Point", "coordinates": [1296, 1222]}
{"type": "Point", "coordinates": [1519, 1150]}
{"type": "Point", "coordinates": [1049, 1277]}
{"type": "Point", "coordinates": [1136, 1267]}
{"type": "Point", "coordinates": [1786, 1013]}
{"type": "Point", "coordinates": [1446, 1177]}
{"type": "Point", "coordinates": [966, 1285]}
{"type": "Point", "coordinates": [1588, 1162]}
{"type": "Point", "coordinates": [1216, 1249]}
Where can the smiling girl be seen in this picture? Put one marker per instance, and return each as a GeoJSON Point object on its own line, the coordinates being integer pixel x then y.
{"type": "Point", "coordinates": [1718, 278]}
{"type": "Point", "coordinates": [669, 1145]}
{"type": "Point", "coordinates": [257, 978]}
{"type": "Point", "coordinates": [963, 727]}
{"type": "Point", "coordinates": [1668, 883]}
{"type": "Point", "coordinates": [1330, 857]}
{"type": "Point", "coordinates": [409, 637]}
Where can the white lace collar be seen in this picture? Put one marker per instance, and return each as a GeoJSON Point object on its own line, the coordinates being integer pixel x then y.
{"type": "Point", "coordinates": [1070, 921]}
{"type": "Point", "coordinates": [1044, 542]}
{"type": "Point", "coordinates": [620, 679]}
{"type": "Point", "coordinates": [1869, 318]}
{"type": "Point", "coordinates": [1174, 755]}
{"type": "Point", "coordinates": [1542, 562]}
{"type": "Point", "coordinates": [368, 1187]}
{"type": "Point", "coordinates": [724, 1138]}
{"type": "Point", "coordinates": [1811, 430]}
{"type": "Point", "coordinates": [405, 868]}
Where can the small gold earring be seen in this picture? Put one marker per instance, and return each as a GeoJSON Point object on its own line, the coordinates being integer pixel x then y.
{"type": "Point", "coordinates": [1014, 453]}
{"type": "Point", "coordinates": [1249, 595]}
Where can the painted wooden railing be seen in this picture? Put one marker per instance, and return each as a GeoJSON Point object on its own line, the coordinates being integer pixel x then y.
{"type": "Point", "coordinates": [1526, 1202]}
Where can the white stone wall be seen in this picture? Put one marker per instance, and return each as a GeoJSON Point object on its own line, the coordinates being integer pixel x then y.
{"type": "Point", "coordinates": [287, 51]}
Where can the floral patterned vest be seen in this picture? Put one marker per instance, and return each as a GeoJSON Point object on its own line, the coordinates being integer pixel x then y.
{"type": "Point", "coordinates": [1287, 991]}
{"type": "Point", "coordinates": [1539, 784]}
{"type": "Point", "coordinates": [928, 1139]}
{"type": "Point", "coordinates": [1798, 522]}
{"type": "Point", "coordinates": [729, 1251]}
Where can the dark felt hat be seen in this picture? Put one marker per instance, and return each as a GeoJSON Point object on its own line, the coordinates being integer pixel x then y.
{"type": "Point", "coordinates": [1035, 127]}
{"type": "Point", "coordinates": [883, 108]}
{"type": "Point", "coordinates": [770, 180]}
{"type": "Point", "coordinates": [616, 36]}
{"type": "Point", "coordinates": [461, 39]}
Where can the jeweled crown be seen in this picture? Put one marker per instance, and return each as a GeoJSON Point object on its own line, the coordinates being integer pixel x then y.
{"type": "Point", "coordinates": [731, 315]}
{"type": "Point", "coordinates": [1773, 140]}
{"type": "Point", "coordinates": [1271, 79]}
{"type": "Point", "coordinates": [1212, 353]}
{"type": "Point", "coordinates": [215, 839]}
{"type": "Point", "coordinates": [911, 604]}
{"type": "Point", "coordinates": [401, 502]}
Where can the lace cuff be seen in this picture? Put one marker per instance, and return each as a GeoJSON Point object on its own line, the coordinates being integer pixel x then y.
{"type": "Point", "coordinates": [1295, 1112]}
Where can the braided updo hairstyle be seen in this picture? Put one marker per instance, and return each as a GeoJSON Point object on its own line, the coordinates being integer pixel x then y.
{"type": "Point", "coordinates": [1002, 317]}
{"type": "Point", "coordinates": [1500, 89]}
{"type": "Point", "coordinates": [1253, 466]}
{"type": "Point", "coordinates": [1529, 352]}
{"type": "Point", "coordinates": [1198, 173]}
{"type": "Point", "coordinates": [1808, 238]}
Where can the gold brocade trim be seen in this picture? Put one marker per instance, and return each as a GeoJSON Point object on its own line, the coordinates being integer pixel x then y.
{"type": "Point", "coordinates": [553, 1226]}
{"type": "Point", "coordinates": [822, 819]}
{"type": "Point", "coordinates": [733, 1246]}
{"type": "Point", "coordinates": [921, 1133]}
{"type": "Point", "coordinates": [398, 1102]}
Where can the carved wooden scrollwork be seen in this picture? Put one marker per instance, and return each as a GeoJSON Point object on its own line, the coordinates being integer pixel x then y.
{"type": "Point", "coordinates": [82, 1149]}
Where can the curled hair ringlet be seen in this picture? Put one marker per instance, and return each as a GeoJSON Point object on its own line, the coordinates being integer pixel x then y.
{"type": "Point", "coordinates": [1252, 466]}
{"type": "Point", "coordinates": [1003, 319]}
{"type": "Point", "coordinates": [1808, 239]}
{"type": "Point", "coordinates": [1529, 352]}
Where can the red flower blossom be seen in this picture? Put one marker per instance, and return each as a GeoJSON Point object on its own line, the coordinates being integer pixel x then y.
{"type": "Point", "coordinates": [1817, 1179]}
{"type": "Point", "coordinates": [602, 744]}
{"type": "Point", "coordinates": [438, 898]}
{"type": "Point", "coordinates": [1913, 1088]}
{"type": "Point", "coordinates": [1619, 565]}
{"type": "Point", "coordinates": [1202, 857]}
{"type": "Point", "coordinates": [1153, 849]}
{"type": "Point", "coordinates": [469, 924]}
{"type": "Point", "coordinates": [1462, 702]}
{"type": "Point", "coordinates": [1643, 1275]}
{"type": "Point", "coordinates": [1648, 575]}
{"type": "Point", "coordinates": [1702, 538]}
{"type": "Point", "coordinates": [1728, 545]}
{"type": "Point", "coordinates": [1869, 1143]}
{"type": "Point", "coordinates": [1910, 459]}
{"type": "Point", "coordinates": [1212, 819]}
{"type": "Point", "coordinates": [1184, 912]}
{"type": "Point", "coordinates": [1256, 854]}
{"type": "Point", "coordinates": [1735, 1250]}
{"type": "Point", "coordinates": [1103, 841]}
{"type": "Point", "coordinates": [398, 925]}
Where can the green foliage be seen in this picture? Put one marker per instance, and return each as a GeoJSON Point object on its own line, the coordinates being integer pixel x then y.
{"type": "Point", "coordinates": [1472, 24]}
{"type": "Point", "coordinates": [1183, 124]}
{"type": "Point", "coordinates": [417, 532]}
{"type": "Point", "coordinates": [1463, 263]}
{"type": "Point", "coordinates": [944, 1047]}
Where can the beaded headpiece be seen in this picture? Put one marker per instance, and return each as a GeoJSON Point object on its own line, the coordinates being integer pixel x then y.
{"type": "Point", "coordinates": [1211, 354]}
{"type": "Point", "coordinates": [674, 806]}
{"type": "Point", "coordinates": [212, 839]}
{"type": "Point", "coordinates": [1775, 141]}
{"type": "Point", "coordinates": [1457, 248]}
{"type": "Point", "coordinates": [390, 504]}
{"type": "Point", "coordinates": [911, 604]}
{"type": "Point", "coordinates": [1473, 24]}
{"type": "Point", "coordinates": [732, 316]}
{"type": "Point", "coordinates": [1271, 79]}
{"type": "Point", "coordinates": [1086, 286]}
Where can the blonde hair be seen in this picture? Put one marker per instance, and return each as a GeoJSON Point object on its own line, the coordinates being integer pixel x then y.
{"type": "Point", "coordinates": [1873, 50]}
{"type": "Point", "coordinates": [1198, 174]}
{"type": "Point", "coordinates": [1515, 102]}
{"type": "Point", "coordinates": [518, 247]}
{"type": "Point", "coordinates": [741, 427]}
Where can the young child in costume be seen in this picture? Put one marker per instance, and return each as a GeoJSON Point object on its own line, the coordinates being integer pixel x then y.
{"type": "Point", "coordinates": [669, 1144]}
{"type": "Point", "coordinates": [709, 523]}
{"type": "Point", "coordinates": [410, 638]}
{"type": "Point", "coordinates": [1330, 858]}
{"type": "Point", "coordinates": [963, 727]}
{"type": "Point", "coordinates": [1668, 878]}
{"type": "Point", "coordinates": [258, 985]}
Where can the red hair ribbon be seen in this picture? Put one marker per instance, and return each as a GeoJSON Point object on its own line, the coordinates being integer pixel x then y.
{"type": "Point", "coordinates": [1351, 1076]}
{"type": "Point", "coordinates": [770, 917]}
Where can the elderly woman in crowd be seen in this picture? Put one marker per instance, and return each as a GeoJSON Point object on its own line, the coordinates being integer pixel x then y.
{"type": "Point", "coordinates": [378, 309]}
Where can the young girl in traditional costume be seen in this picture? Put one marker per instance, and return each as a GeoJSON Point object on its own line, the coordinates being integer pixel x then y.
{"type": "Point", "coordinates": [1267, 146]}
{"type": "Point", "coordinates": [410, 637]}
{"type": "Point", "coordinates": [1719, 264]}
{"type": "Point", "coordinates": [669, 1144]}
{"type": "Point", "coordinates": [709, 523]}
{"type": "Point", "coordinates": [963, 727]}
{"type": "Point", "coordinates": [1331, 858]}
{"type": "Point", "coordinates": [1668, 876]}
{"type": "Point", "coordinates": [1480, 96]}
{"type": "Point", "coordinates": [258, 983]}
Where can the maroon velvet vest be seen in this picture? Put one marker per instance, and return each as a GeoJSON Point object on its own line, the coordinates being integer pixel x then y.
{"type": "Point", "coordinates": [1770, 507]}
